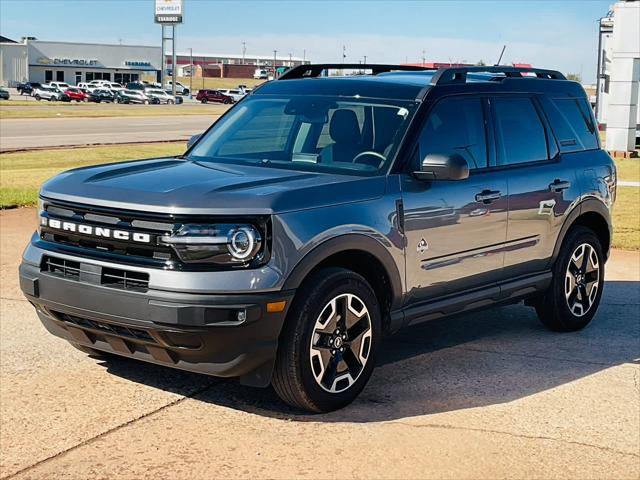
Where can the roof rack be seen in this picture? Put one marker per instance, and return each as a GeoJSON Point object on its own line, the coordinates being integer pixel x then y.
{"type": "Point", "coordinates": [315, 70]}
{"type": "Point", "coordinates": [446, 76]}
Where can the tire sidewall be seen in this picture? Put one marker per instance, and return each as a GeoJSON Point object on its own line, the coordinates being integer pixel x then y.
{"type": "Point", "coordinates": [336, 283]}
{"type": "Point", "coordinates": [576, 238]}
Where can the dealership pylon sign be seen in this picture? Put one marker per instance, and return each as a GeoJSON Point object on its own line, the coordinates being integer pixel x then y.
{"type": "Point", "coordinates": [168, 11]}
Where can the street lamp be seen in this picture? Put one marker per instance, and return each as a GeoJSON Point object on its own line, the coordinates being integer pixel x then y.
{"type": "Point", "coordinates": [275, 59]}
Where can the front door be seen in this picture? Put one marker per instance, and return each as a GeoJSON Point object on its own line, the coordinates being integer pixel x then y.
{"type": "Point", "coordinates": [455, 230]}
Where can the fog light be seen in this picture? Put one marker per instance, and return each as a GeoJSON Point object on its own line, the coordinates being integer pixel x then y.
{"type": "Point", "coordinates": [242, 315]}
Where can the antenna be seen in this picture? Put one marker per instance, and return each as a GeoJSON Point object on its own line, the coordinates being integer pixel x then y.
{"type": "Point", "coordinates": [504, 47]}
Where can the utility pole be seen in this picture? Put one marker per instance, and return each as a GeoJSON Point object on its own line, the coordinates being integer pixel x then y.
{"type": "Point", "coordinates": [424, 57]}
{"type": "Point", "coordinates": [304, 56]}
{"type": "Point", "coordinates": [174, 69]}
{"type": "Point", "coordinates": [191, 69]}
{"type": "Point", "coordinates": [290, 56]}
{"type": "Point", "coordinates": [344, 53]}
{"type": "Point", "coordinates": [275, 59]}
{"type": "Point", "coordinates": [365, 59]}
{"type": "Point", "coordinates": [244, 51]}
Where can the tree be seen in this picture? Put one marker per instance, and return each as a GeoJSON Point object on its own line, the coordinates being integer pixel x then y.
{"type": "Point", "coordinates": [481, 63]}
{"type": "Point", "coordinates": [574, 76]}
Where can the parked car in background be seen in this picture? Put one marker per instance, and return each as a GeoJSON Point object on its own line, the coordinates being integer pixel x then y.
{"type": "Point", "coordinates": [180, 88]}
{"type": "Point", "coordinates": [136, 86]}
{"type": "Point", "coordinates": [59, 85]}
{"type": "Point", "coordinates": [260, 74]}
{"type": "Point", "coordinates": [216, 96]}
{"type": "Point", "coordinates": [4, 93]}
{"type": "Point", "coordinates": [76, 94]}
{"type": "Point", "coordinates": [234, 93]}
{"type": "Point", "coordinates": [26, 88]}
{"type": "Point", "coordinates": [113, 86]}
{"type": "Point", "coordinates": [85, 87]}
{"type": "Point", "coordinates": [101, 95]}
{"type": "Point", "coordinates": [131, 96]}
{"type": "Point", "coordinates": [159, 96]}
{"type": "Point", "coordinates": [51, 93]}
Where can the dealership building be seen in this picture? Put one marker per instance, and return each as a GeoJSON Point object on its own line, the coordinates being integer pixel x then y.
{"type": "Point", "coordinates": [45, 61]}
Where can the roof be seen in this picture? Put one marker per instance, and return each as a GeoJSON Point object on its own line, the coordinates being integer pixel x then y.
{"type": "Point", "coordinates": [236, 56]}
{"type": "Point", "coordinates": [412, 85]}
{"type": "Point", "coordinates": [4, 39]}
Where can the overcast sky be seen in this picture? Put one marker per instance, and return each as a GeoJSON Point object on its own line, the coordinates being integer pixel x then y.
{"type": "Point", "coordinates": [546, 33]}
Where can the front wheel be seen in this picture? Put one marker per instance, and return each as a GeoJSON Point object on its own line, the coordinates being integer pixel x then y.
{"type": "Point", "coordinates": [329, 343]}
{"type": "Point", "coordinates": [38, 97]}
{"type": "Point", "coordinates": [573, 297]}
{"type": "Point", "coordinates": [204, 100]}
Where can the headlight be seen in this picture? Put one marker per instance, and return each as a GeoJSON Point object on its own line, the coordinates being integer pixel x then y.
{"type": "Point", "coordinates": [221, 244]}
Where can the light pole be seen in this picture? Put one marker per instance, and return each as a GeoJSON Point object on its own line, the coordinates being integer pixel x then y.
{"type": "Point", "coordinates": [424, 58]}
{"type": "Point", "coordinates": [191, 72]}
{"type": "Point", "coordinates": [365, 59]}
{"type": "Point", "coordinates": [344, 53]}
{"type": "Point", "coordinates": [244, 51]}
{"type": "Point", "coordinates": [275, 59]}
{"type": "Point", "coordinates": [290, 59]}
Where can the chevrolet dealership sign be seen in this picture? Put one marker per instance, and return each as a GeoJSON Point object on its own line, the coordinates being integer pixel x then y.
{"type": "Point", "coordinates": [168, 11]}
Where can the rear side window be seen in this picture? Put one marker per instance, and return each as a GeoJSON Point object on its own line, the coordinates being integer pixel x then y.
{"type": "Point", "coordinates": [520, 134]}
{"type": "Point", "coordinates": [573, 124]}
{"type": "Point", "coordinates": [456, 125]}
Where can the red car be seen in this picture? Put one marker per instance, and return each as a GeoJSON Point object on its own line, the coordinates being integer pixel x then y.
{"type": "Point", "coordinates": [213, 96]}
{"type": "Point", "coordinates": [76, 94]}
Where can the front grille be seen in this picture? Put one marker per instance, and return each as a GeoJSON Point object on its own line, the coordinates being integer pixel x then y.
{"type": "Point", "coordinates": [95, 274]}
{"type": "Point", "coordinates": [110, 328]}
{"type": "Point", "coordinates": [61, 267]}
{"type": "Point", "coordinates": [152, 254]}
{"type": "Point", "coordinates": [125, 279]}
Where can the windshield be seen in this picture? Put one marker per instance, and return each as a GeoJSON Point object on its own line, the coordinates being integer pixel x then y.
{"type": "Point", "coordinates": [312, 133]}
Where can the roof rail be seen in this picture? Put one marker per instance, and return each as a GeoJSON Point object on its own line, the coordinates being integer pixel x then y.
{"type": "Point", "coordinates": [446, 76]}
{"type": "Point", "coordinates": [315, 70]}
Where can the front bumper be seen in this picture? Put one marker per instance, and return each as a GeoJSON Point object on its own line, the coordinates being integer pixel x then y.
{"type": "Point", "coordinates": [218, 334]}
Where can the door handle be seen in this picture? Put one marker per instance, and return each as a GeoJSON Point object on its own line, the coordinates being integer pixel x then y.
{"type": "Point", "coordinates": [559, 185]}
{"type": "Point", "coordinates": [488, 196]}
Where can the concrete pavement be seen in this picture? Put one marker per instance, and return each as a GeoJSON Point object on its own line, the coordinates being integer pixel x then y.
{"type": "Point", "coordinates": [484, 395]}
{"type": "Point", "coordinates": [54, 132]}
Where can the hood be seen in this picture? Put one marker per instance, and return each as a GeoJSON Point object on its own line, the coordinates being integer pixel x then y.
{"type": "Point", "coordinates": [177, 186]}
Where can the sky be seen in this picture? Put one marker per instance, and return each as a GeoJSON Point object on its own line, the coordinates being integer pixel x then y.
{"type": "Point", "coordinates": [546, 33]}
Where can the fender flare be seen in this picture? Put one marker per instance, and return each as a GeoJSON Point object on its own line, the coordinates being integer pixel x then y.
{"type": "Point", "coordinates": [344, 243]}
{"type": "Point", "coordinates": [589, 205]}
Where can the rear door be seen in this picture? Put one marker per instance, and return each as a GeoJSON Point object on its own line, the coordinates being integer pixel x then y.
{"type": "Point", "coordinates": [455, 230]}
{"type": "Point", "coordinates": [542, 184]}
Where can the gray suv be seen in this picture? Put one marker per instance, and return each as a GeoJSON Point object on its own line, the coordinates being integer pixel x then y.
{"type": "Point", "coordinates": [323, 212]}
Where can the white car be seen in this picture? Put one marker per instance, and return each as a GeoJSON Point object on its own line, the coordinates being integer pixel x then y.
{"type": "Point", "coordinates": [113, 86]}
{"type": "Point", "coordinates": [180, 88]}
{"type": "Point", "coordinates": [59, 85]}
{"type": "Point", "coordinates": [159, 96]}
{"type": "Point", "coordinates": [235, 93]}
{"type": "Point", "coordinates": [47, 92]}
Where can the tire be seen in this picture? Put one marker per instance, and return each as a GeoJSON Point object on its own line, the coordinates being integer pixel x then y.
{"type": "Point", "coordinates": [146, 102]}
{"type": "Point", "coordinates": [204, 100]}
{"type": "Point", "coordinates": [571, 302]}
{"type": "Point", "coordinates": [38, 97]}
{"type": "Point", "coordinates": [170, 102]}
{"type": "Point", "coordinates": [225, 101]}
{"type": "Point", "coordinates": [315, 379]}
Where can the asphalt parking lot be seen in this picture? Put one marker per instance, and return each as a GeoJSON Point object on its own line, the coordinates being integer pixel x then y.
{"type": "Point", "coordinates": [56, 132]}
{"type": "Point", "coordinates": [484, 395]}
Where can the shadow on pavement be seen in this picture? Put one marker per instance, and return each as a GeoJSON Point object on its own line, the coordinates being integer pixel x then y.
{"type": "Point", "coordinates": [473, 360]}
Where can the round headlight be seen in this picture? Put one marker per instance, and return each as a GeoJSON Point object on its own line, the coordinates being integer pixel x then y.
{"type": "Point", "coordinates": [241, 243]}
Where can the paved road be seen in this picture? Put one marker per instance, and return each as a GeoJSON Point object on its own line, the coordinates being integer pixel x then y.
{"type": "Point", "coordinates": [48, 132]}
{"type": "Point", "coordinates": [484, 395]}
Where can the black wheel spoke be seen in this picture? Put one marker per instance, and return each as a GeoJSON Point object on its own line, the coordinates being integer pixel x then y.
{"type": "Point", "coordinates": [353, 362]}
{"type": "Point", "coordinates": [584, 298]}
{"type": "Point", "coordinates": [585, 258]}
{"type": "Point", "coordinates": [572, 297]}
{"type": "Point", "coordinates": [330, 371]}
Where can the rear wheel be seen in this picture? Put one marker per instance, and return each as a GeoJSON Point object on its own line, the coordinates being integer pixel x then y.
{"type": "Point", "coordinates": [38, 97]}
{"type": "Point", "coordinates": [573, 297]}
{"type": "Point", "coordinates": [330, 341]}
{"type": "Point", "coordinates": [204, 100]}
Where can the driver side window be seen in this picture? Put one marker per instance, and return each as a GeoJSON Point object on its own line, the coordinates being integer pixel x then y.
{"type": "Point", "coordinates": [456, 125]}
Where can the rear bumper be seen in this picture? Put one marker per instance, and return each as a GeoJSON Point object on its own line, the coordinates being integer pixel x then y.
{"type": "Point", "coordinates": [221, 335]}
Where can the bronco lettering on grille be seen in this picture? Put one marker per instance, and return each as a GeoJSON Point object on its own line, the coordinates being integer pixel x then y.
{"type": "Point", "coordinates": [102, 232]}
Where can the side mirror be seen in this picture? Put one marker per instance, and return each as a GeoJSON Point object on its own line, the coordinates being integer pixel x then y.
{"type": "Point", "coordinates": [437, 166]}
{"type": "Point", "coordinates": [193, 139]}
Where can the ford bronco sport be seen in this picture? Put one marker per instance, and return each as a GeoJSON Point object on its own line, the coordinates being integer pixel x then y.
{"type": "Point", "coordinates": [321, 213]}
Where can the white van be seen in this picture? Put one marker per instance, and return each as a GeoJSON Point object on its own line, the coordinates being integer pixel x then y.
{"type": "Point", "coordinates": [260, 74]}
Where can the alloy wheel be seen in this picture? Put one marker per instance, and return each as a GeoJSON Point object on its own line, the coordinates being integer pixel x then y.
{"type": "Point", "coordinates": [582, 279]}
{"type": "Point", "coordinates": [340, 343]}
